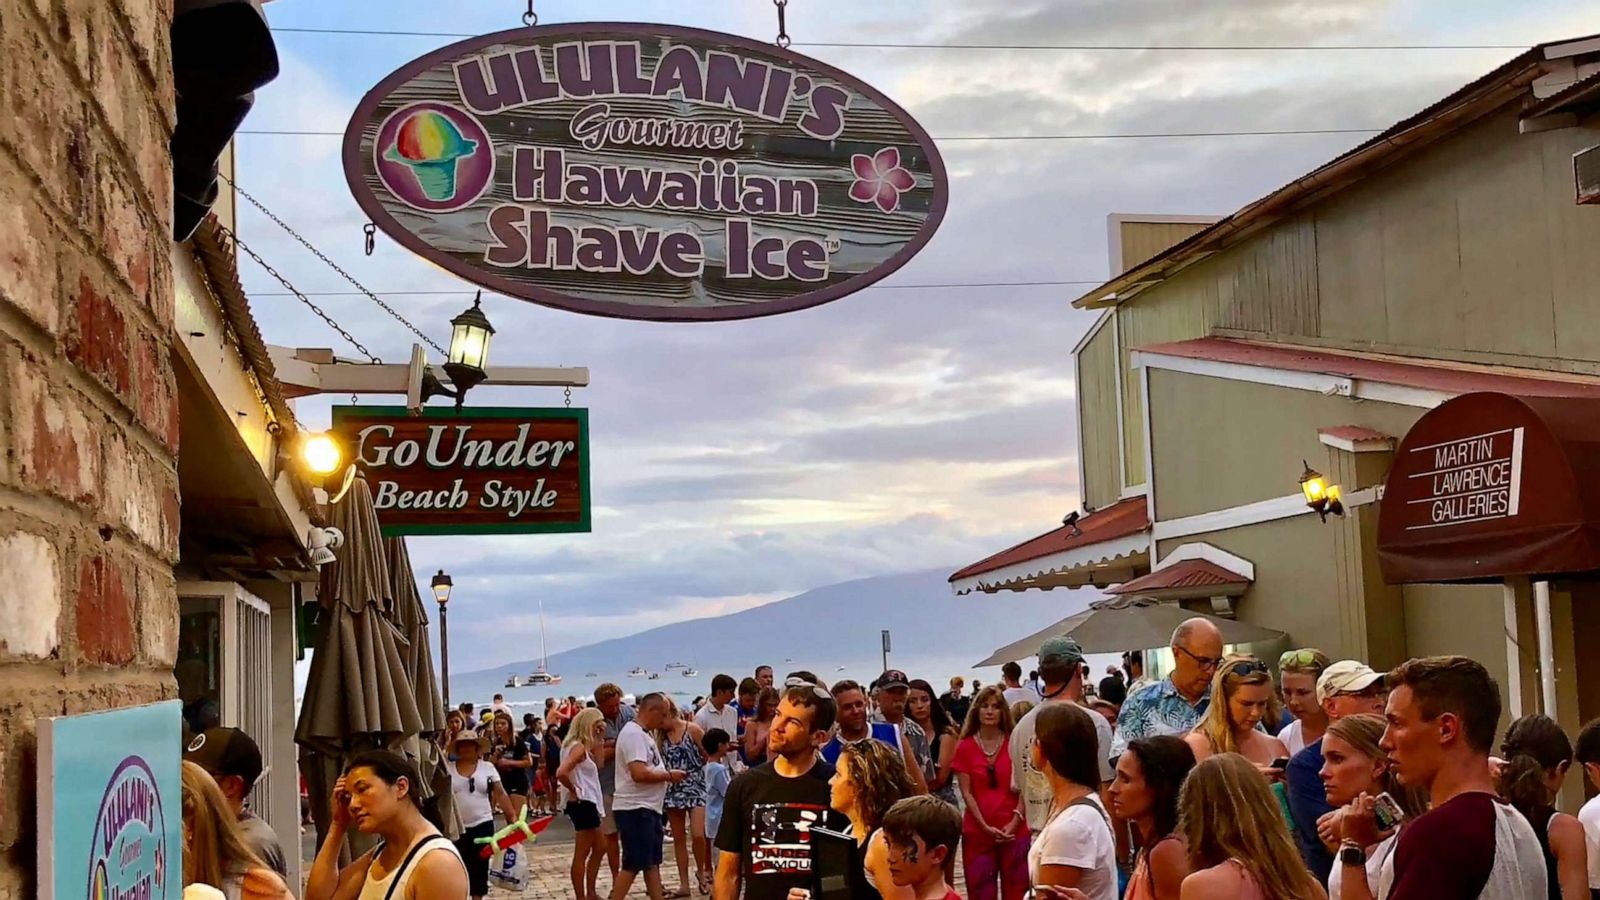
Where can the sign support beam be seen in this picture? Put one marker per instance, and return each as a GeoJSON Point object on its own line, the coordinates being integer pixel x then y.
{"type": "Point", "coordinates": [304, 371]}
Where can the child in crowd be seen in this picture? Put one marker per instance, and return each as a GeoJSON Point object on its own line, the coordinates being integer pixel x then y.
{"type": "Point", "coordinates": [717, 744]}
{"type": "Point", "coordinates": [921, 833]}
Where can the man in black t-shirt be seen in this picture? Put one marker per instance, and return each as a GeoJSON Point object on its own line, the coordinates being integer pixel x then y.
{"type": "Point", "coordinates": [770, 809]}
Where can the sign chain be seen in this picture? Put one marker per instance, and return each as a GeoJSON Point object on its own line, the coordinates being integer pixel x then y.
{"type": "Point", "coordinates": [302, 297]}
{"type": "Point", "coordinates": [568, 393]}
{"type": "Point", "coordinates": [331, 264]}
{"type": "Point", "coordinates": [371, 232]}
{"type": "Point", "coordinates": [783, 26]}
{"type": "Point", "coordinates": [530, 18]}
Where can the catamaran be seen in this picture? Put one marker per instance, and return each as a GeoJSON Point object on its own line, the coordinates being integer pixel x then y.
{"type": "Point", "coordinates": [543, 675]}
{"type": "Point", "coordinates": [690, 673]}
{"type": "Point", "coordinates": [637, 672]}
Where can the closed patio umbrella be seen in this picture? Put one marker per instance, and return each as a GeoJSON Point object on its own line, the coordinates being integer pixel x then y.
{"type": "Point", "coordinates": [358, 695]}
{"type": "Point", "coordinates": [1125, 623]}
{"type": "Point", "coordinates": [410, 616]}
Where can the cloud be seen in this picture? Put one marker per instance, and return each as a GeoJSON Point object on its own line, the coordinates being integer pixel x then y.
{"type": "Point", "coordinates": [897, 428]}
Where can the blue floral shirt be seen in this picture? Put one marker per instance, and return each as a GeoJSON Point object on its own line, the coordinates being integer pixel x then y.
{"type": "Point", "coordinates": [1156, 708]}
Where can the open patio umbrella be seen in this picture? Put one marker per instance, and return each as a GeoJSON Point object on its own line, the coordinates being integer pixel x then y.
{"type": "Point", "coordinates": [1125, 623]}
{"type": "Point", "coordinates": [358, 695]}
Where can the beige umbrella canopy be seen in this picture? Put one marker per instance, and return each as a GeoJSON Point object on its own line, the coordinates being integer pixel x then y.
{"type": "Point", "coordinates": [1125, 623]}
{"type": "Point", "coordinates": [410, 616]}
{"type": "Point", "coordinates": [358, 695]}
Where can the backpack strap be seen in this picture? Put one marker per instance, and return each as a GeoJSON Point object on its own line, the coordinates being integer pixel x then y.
{"type": "Point", "coordinates": [417, 848]}
{"type": "Point", "coordinates": [1085, 801]}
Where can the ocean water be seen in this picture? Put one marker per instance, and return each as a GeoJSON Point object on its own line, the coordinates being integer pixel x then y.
{"type": "Point", "coordinates": [480, 688]}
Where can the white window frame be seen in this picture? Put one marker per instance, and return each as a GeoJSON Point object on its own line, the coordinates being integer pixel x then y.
{"type": "Point", "coordinates": [245, 666]}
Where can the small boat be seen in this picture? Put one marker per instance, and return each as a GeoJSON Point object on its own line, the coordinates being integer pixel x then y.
{"type": "Point", "coordinates": [543, 675]}
{"type": "Point", "coordinates": [840, 669]}
{"type": "Point", "coordinates": [591, 675]}
{"type": "Point", "coordinates": [691, 673]}
{"type": "Point", "coordinates": [637, 672]}
{"type": "Point", "coordinates": [788, 659]}
{"type": "Point", "coordinates": [515, 681]}
{"type": "Point", "coordinates": [654, 675]}
{"type": "Point", "coordinates": [676, 666]}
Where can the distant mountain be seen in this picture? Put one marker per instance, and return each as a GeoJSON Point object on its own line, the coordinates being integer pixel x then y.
{"type": "Point", "coordinates": [828, 627]}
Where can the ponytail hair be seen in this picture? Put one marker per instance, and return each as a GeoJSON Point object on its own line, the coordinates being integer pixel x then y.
{"type": "Point", "coordinates": [1535, 748]}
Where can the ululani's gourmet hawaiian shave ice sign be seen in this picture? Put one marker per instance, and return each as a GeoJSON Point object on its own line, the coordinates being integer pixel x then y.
{"type": "Point", "coordinates": [645, 171]}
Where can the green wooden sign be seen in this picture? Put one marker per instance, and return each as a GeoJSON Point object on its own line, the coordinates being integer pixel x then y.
{"type": "Point", "coordinates": [479, 470]}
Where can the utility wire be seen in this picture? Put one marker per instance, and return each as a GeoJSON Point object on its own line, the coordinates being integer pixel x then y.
{"type": "Point", "coordinates": [331, 264]}
{"type": "Point", "coordinates": [994, 137]}
{"type": "Point", "coordinates": [1058, 47]}
{"type": "Point", "coordinates": [874, 287]}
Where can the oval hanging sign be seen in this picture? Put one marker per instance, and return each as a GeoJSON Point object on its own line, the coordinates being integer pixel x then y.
{"type": "Point", "coordinates": [645, 171]}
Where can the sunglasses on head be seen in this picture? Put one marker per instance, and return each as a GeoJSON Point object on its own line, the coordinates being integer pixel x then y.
{"type": "Point", "coordinates": [801, 683]}
{"type": "Point", "coordinates": [1249, 668]}
{"type": "Point", "coordinates": [1302, 657]}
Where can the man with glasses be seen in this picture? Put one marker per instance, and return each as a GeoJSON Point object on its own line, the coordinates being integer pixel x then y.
{"type": "Point", "coordinates": [1177, 703]}
{"type": "Point", "coordinates": [851, 702]}
{"type": "Point", "coordinates": [769, 810]}
{"type": "Point", "coordinates": [1345, 688]}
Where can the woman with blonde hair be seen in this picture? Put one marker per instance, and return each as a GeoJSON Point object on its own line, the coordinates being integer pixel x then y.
{"type": "Point", "coordinates": [1241, 697]}
{"type": "Point", "coordinates": [869, 778]}
{"type": "Point", "coordinates": [214, 848]}
{"type": "Point", "coordinates": [580, 775]}
{"type": "Point", "coordinates": [686, 800]}
{"type": "Point", "coordinates": [1354, 771]}
{"type": "Point", "coordinates": [1239, 846]}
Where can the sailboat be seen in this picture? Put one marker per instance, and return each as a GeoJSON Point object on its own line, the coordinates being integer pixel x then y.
{"type": "Point", "coordinates": [542, 675]}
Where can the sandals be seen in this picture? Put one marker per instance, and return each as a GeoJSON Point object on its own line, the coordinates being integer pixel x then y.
{"type": "Point", "coordinates": [704, 882]}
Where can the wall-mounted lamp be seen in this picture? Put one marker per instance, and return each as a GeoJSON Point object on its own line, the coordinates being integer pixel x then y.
{"type": "Point", "coordinates": [1320, 495]}
{"type": "Point", "coordinates": [320, 454]}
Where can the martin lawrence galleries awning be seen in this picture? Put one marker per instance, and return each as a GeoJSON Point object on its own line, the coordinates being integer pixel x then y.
{"type": "Point", "coordinates": [1489, 485]}
{"type": "Point", "coordinates": [1104, 547]}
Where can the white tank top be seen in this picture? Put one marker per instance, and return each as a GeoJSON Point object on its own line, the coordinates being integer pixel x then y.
{"type": "Point", "coordinates": [379, 888]}
{"type": "Point", "coordinates": [586, 775]}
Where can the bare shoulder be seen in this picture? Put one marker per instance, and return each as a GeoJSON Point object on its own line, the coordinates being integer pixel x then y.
{"type": "Point", "coordinates": [1566, 831]}
{"type": "Point", "coordinates": [1215, 883]}
{"type": "Point", "coordinates": [1199, 743]}
{"type": "Point", "coordinates": [438, 874]}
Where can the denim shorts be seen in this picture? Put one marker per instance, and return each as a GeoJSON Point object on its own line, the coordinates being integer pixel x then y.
{"type": "Point", "coordinates": [641, 833]}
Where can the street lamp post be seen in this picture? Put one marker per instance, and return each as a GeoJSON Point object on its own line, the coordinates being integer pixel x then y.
{"type": "Point", "coordinates": [441, 593]}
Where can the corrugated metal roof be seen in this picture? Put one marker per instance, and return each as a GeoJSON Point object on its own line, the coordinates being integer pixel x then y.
{"type": "Point", "coordinates": [1117, 520]}
{"type": "Point", "coordinates": [1190, 573]}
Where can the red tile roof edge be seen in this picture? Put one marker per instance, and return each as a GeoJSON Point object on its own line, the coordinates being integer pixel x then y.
{"type": "Point", "coordinates": [1118, 520]}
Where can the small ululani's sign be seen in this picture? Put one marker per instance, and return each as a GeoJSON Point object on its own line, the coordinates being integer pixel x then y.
{"type": "Point", "coordinates": [645, 171]}
{"type": "Point", "coordinates": [474, 471]}
{"type": "Point", "coordinates": [110, 804]}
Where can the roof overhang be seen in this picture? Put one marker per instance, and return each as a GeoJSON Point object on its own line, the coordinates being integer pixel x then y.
{"type": "Point", "coordinates": [1196, 571]}
{"type": "Point", "coordinates": [1104, 547]}
{"type": "Point", "coordinates": [1404, 381]}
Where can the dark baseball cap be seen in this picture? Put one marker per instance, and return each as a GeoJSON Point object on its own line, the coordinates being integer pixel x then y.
{"type": "Point", "coordinates": [1060, 651]}
{"type": "Point", "coordinates": [893, 679]}
{"type": "Point", "coordinates": [226, 751]}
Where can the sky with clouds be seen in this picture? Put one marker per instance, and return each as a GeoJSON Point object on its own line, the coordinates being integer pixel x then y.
{"type": "Point", "coordinates": [900, 428]}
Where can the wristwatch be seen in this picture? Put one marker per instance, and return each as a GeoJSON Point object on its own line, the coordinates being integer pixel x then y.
{"type": "Point", "coordinates": [1352, 854]}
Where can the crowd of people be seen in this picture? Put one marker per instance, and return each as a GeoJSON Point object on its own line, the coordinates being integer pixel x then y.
{"type": "Point", "coordinates": [1218, 780]}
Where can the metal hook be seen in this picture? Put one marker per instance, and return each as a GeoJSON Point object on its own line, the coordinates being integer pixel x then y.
{"type": "Point", "coordinates": [530, 18]}
{"type": "Point", "coordinates": [371, 232]}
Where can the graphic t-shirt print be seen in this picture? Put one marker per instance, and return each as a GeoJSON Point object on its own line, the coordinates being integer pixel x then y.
{"type": "Point", "coordinates": [780, 842]}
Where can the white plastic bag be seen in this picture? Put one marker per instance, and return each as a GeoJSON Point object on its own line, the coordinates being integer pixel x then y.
{"type": "Point", "coordinates": [509, 868]}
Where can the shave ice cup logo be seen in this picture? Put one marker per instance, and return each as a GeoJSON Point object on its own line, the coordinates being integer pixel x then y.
{"type": "Point", "coordinates": [434, 157]}
{"type": "Point", "coordinates": [129, 857]}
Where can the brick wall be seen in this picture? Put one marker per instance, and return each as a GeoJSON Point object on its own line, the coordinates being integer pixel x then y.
{"type": "Point", "coordinates": [88, 410]}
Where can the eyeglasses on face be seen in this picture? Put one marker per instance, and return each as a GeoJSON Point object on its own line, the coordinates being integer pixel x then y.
{"type": "Point", "coordinates": [1206, 663]}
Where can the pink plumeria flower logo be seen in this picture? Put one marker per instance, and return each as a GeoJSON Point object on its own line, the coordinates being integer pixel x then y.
{"type": "Point", "coordinates": [880, 179]}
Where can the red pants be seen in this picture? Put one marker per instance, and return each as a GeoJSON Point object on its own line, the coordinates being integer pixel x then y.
{"type": "Point", "coordinates": [1006, 863]}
